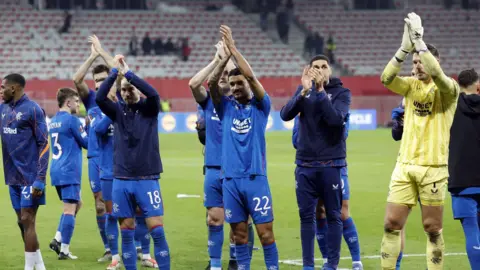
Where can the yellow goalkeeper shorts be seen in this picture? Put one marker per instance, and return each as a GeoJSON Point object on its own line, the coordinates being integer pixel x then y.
{"type": "Point", "coordinates": [409, 183]}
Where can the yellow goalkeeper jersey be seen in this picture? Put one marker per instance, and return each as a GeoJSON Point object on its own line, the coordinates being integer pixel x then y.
{"type": "Point", "coordinates": [429, 111]}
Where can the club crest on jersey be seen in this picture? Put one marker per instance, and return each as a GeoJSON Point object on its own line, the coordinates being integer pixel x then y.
{"type": "Point", "coordinates": [241, 126]}
{"type": "Point", "coordinates": [18, 117]}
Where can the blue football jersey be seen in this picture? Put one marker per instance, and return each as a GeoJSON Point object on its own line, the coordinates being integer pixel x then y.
{"type": "Point", "coordinates": [103, 127]}
{"type": "Point", "coordinates": [244, 125]}
{"type": "Point", "coordinates": [25, 145]}
{"type": "Point", "coordinates": [94, 114]}
{"type": "Point", "coordinates": [213, 134]}
{"type": "Point", "coordinates": [67, 137]}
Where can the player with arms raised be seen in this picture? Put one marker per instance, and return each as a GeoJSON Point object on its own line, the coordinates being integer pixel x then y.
{"type": "Point", "coordinates": [25, 152]}
{"type": "Point", "coordinates": [213, 152]}
{"type": "Point", "coordinates": [137, 164]}
{"type": "Point", "coordinates": [100, 73]}
{"type": "Point", "coordinates": [245, 186]}
{"type": "Point", "coordinates": [68, 137]}
{"type": "Point", "coordinates": [421, 170]}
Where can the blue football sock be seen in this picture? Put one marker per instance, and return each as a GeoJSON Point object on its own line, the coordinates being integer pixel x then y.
{"type": "Point", "coordinates": [142, 235]}
{"type": "Point", "coordinates": [350, 235]}
{"type": "Point", "coordinates": [59, 228]}
{"type": "Point", "coordinates": [233, 254]}
{"type": "Point", "coordinates": [215, 244]}
{"type": "Point", "coordinates": [162, 253]}
{"type": "Point", "coordinates": [307, 236]}
{"type": "Point", "coordinates": [472, 237]}
{"type": "Point", "coordinates": [251, 238]}
{"type": "Point", "coordinates": [128, 250]}
{"type": "Point", "coordinates": [270, 254]}
{"type": "Point", "coordinates": [322, 229]}
{"type": "Point", "coordinates": [68, 226]}
{"type": "Point", "coordinates": [399, 260]}
{"type": "Point", "coordinates": [243, 257]}
{"type": "Point", "coordinates": [112, 234]}
{"type": "Point", "coordinates": [101, 221]}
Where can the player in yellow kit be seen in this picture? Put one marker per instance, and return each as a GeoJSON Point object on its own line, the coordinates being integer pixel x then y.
{"type": "Point", "coordinates": [421, 171]}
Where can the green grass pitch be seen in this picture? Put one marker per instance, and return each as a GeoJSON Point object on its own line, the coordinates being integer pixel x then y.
{"type": "Point", "coordinates": [371, 158]}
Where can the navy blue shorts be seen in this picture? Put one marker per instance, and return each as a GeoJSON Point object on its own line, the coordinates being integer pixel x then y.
{"type": "Point", "coordinates": [94, 174]}
{"type": "Point", "coordinates": [128, 194]}
{"type": "Point", "coordinates": [21, 197]}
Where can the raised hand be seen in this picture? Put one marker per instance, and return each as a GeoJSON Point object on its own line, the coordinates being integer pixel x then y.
{"type": "Point", "coordinates": [414, 23]}
{"type": "Point", "coordinates": [222, 51]}
{"type": "Point", "coordinates": [95, 43]}
{"type": "Point", "coordinates": [93, 52]}
{"type": "Point", "coordinates": [317, 76]}
{"type": "Point", "coordinates": [306, 81]}
{"type": "Point", "coordinates": [407, 44]}
{"type": "Point", "coordinates": [227, 36]}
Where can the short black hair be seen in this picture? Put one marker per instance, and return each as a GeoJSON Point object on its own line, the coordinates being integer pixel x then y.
{"type": "Point", "coordinates": [100, 68]}
{"type": "Point", "coordinates": [16, 78]}
{"type": "Point", "coordinates": [65, 93]}
{"type": "Point", "coordinates": [319, 57]}
{"type": "Point", "coordinates": [467, 77]}
{"type": "Point", "coordinates": [432, 49]}
{"type": "Point", "coordinates": [234, 72]}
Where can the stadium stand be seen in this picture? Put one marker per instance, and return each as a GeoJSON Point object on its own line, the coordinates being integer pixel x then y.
{"type": "Point", "coordinates": [31, 42]}
{"type": "Point", "coordinates": [366, 39]}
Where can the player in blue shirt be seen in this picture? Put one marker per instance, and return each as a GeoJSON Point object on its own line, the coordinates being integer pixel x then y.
{"type": "Point", "coordinates": [25, 152]}
{"type": "Point", "coordinates": [137, 163]}
{"type": "Point", "coordinates": [323, 104]}
{"type": "Point", "coordinates": [245, 187]}
{"type": "Point", "coordinates": [350, 233]}
{"type": "Point", "coordinates": [68, 137]}
{"type": "Point", "coordinates": [213, 200]}
{"type": "Point", "coordinates": [99, 74]}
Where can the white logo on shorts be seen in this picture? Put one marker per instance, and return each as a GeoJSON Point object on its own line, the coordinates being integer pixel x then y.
{"type": "Point", "coordinates": [228, 213]}
{"type": "Point", "coordinates": [335, 187]}
{"type": "Point", "coordinates": [115, 208]}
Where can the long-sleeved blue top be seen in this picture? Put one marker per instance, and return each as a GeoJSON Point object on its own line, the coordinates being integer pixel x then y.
{"type": "Point", "coordinates": [322, 119]}
{"type": "Point", "coordinates": [25, 144]}
{"type": "Point", "coordinates": [136, 145]}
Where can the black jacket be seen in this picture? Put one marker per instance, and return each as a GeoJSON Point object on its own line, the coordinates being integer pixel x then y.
{"type": "Point", "coordinates": [464, 157]}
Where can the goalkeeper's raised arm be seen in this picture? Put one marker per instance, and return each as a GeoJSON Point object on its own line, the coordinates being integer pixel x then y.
{"type": "Point", "coordinates": [429, 57]}
{"type": "Point", "coordinates": [389, 77]}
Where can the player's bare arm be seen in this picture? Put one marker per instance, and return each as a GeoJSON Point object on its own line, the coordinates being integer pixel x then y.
{"type": "Point", "coordinates": [101, 51]}
{"type": "Point", "coordinates": [215, 91]}
{"type": "Point", "coordinates": [445, 84]}
{"type": "Point", "coordinates": [79, 76]}
{"type": "Point", "coordinates": [199, 92]}
{"type": "Point", "coordinates": [389, 77]}
{"type": "Point", "coordinates": [245, 68]}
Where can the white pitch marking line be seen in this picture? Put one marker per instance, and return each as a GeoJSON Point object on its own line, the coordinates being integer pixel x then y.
{"type": "Point", "coordinates": [299, 261]}
{"type": "Point", "coordinates": [182, 196]}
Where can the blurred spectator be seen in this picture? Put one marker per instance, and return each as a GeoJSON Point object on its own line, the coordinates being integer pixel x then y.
{"type": "Point", "coordinates": [283, 24]}
{"type": "Point", "coordinates": [133, 45]}
{"type": "Point", "coordinates": [158, 46]}
{"type": "Point", "coordinates": [169, 47]}
{"type": "Point", "coordinates": [211, 6]}
{"type": "Point", "coordinates": [186, 50]}
{"type": "Point", "coordinates": [147, 44]}
{"type": "Point", "coordinates": [166, 105]}
{"type": "Point", "coordinates": [309, 45]}
{"type": "Point", "coordinates": [319, 43]}
{"type": "Point", "coordinates": [263, 15]}
{"type": "Point", "coordinates": [290, 6]}
{"type": "Point", "coordinates": [331, 47]}
{"type": "Point", "coordinates": [66, 23]}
